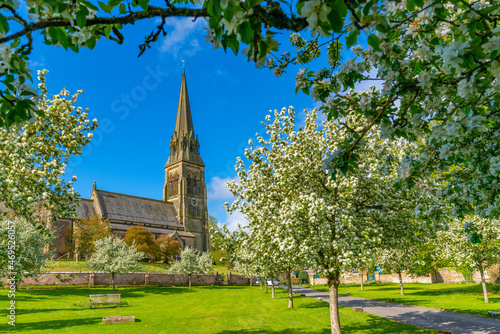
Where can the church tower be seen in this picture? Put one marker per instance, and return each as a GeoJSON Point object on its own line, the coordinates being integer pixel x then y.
{"type": "Point", "coordinates": [185, 174]}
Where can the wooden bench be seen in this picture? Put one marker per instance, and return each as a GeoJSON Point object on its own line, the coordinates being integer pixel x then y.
{"type": "Point", "coordinates": [105, 299]}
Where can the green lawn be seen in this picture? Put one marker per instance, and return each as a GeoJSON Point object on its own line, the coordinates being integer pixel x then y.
{"type": "Point", "coordinates": [156, 267]}
{"type": "Point", "coordinates": [227, 310]}
{"type": "Point", "coordinates": [71, 265]}
{"type": "Point", "coordinates": [464, 298]}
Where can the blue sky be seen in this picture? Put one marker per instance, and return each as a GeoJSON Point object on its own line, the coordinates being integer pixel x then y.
{"type": "Point", "coordinates": [135, 102]}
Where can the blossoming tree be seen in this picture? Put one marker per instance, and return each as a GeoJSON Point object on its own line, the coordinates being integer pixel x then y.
{"type": "Point", "coordinates": [328, 221]}
{"type": "Point", "coordinates": [396, 260]}
{"type": "Point", "coordinates": [21, 251]}
{"type": "Point", "coordinates": [192, 262]}
{"type": "Point", "coordinates": [114, 256]}
{"type": "Point", "coordinates": [474, 242]}
{"type": "Point", "coordinates": [33, 157]}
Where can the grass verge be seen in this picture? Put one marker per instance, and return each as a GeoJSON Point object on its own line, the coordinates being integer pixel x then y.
{"type": "Point", "coordinates": [225, 310]}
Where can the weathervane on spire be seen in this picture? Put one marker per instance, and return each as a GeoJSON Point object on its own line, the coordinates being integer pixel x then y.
{"type": "Point", "coordinates": [183, 63]}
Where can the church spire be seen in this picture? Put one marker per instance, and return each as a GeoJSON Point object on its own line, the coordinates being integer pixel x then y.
{"type": "Point", "coordinates": [184, 144]}
{"type": "Point", "coordinates": [184, 121]}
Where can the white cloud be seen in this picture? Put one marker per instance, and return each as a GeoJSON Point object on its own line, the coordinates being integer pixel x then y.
{"type": "Point", "coordinates": [217, 189]}
{"type": "Point", "coordinates": [235, 218]}
{"type": "Point", "coordinates": [182, 37]}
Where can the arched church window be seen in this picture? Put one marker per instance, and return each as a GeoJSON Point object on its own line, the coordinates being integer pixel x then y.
{"type": "Point", "coordinates": [173, 185]}
{"type": "Point", "coordinates": [193, 183]}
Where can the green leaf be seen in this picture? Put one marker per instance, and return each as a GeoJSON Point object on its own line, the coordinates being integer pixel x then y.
{"type": "Point", "coordinates": [494, 54]}
{"type": "Point", "coordinates": [469, 59]}
{"type": "Point", "coordinates": [81, 16]}
{"type": "Point", "coordinates": [90, 43]}
{"type": "Point", "coordinates": [123, 9]}
{"type": "Point", "coordinates": [214, 8]}
{"type": "Point", "coordinates": [336, 21]}
{"type": "Point", "coordinates": [113, 3]}
{"type": "Point", "coordinates": [367, 7]}
{"type": "Point", "coordinates": [89, 4]}
{"type": "Point", "coordinates": [352, 38]}
{"type": "Point", "coordinates": [107, 30]}
{"type": "Point", "coordinates": [410, 5]}
{"type": "Point", "coordinates": [246, 32]}
{"type": "Point", "coordinates": [374, 42]}
{"type": "Point", "coordinates": [4, 25]}
{"type": "Point", "coordinates": [234, 45]}
{"type": "Point", "coordinates": [104, 7]}
{"type": "Point", "coordinates": [15, 44]}
{"type": "Point", "coordinates": [419, 3]}
{"type": "Point", "coordinates": [143, 4]}
{"type": "Point", "coordinates": [53, 35]}
{"type": "Point", "coordinates": [229, 11]}
{"type": "Point", "coordinates": [262, 49]}
{"type": "Point", "coordinates": [341, 7]}
{"type": "Point", "coordinates": [62, 37]}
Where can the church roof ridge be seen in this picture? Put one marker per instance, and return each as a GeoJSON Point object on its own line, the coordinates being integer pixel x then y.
{"type": "Point", "coordinates": [133, 196]}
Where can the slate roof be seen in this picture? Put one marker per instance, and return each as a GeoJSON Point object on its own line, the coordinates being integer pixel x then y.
{"type": "Point", "coordinates": [115, 206]}
{"type": "Point", "coordinates": [154, 230]}
{"type": "Point", "coordinates": [85, 209]}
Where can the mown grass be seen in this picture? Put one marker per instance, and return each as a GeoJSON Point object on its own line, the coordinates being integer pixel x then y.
{"type": "Point", "coordinates": [225, 310]}
{"type": "Point", "coordinates": [462, 298]}
{"type": "Point", "coordinates": [153, 267]}
{"type": "Point", "coordinates": [72, 265]}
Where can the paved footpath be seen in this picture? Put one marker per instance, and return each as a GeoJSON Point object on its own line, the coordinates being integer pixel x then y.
{"type": "Point", "coordinates": [413, 315]}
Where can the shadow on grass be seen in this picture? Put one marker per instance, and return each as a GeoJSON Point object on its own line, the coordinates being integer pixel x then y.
{"type": "Point", "coordinates": [372, 325]}
{"type": "Point", "coordinates": [54, 326]}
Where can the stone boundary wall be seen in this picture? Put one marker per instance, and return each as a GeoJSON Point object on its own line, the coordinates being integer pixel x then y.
{"type": "Point", "coordinates": [65, 278]}
{"type": "Point", "coordinates": [443, 276]}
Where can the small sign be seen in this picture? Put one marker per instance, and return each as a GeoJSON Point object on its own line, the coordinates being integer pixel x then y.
{"type": "Point", "coordinates": [370, 277]}
{"type": "Point", "coordinates": [194, 202]}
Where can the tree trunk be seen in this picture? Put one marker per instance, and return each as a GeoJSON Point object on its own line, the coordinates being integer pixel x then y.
{"type": "Point", "coordinates": [333, 285]}
{"type": "Point", "coordinates": [361, 273]}
{"type": "Point", "coordinates": [483, 282]}
{"type": "Point", "coordinates": [272, 288]}
{"type": "Point", "coordinates": [189, 281]}
{"type": "Point", "coordinates": [113, 280]}
{"type": "Point", "coordinates": [401, 283]}
{"type": "Point", "coordinates": [250, 281]}
{"type": "Point", "coordinates": [265, 284]}
{"type": "Point", "coordinates": [260, 283]}
{"type": "Point", "coordinates": [289, 284]}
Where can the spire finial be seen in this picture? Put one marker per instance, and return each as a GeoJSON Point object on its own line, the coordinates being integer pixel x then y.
{"type": "Point", "coordinates": [183, 64]}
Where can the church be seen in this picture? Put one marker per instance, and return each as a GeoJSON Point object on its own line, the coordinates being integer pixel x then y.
{"type": "Point", "coordinates": [181, 215]}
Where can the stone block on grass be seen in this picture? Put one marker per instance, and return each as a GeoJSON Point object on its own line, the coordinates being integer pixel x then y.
{"type": "Point", "coordinates": [357, 309]}
{"type": "Point", "coordinates": [494, 314]}
{"type": "Point", "coordinates": [118, 319]}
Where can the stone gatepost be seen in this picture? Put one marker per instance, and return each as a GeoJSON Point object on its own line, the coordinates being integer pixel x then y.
{"type": "Point", "coordinates": [228, 278]}
{"type": "Point", "coordinates": [216, 277]}
{"type": "Point", "coordinates": [146, 279]}
{"type": "Point", "coordinates": [91, 279]}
